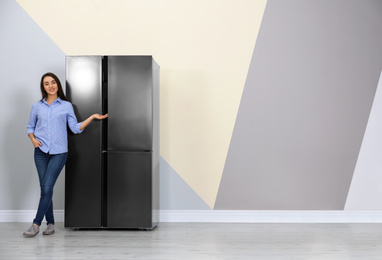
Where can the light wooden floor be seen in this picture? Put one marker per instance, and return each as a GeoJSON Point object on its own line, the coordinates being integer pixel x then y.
{"type": "Point", "coordinates": [199, 241]}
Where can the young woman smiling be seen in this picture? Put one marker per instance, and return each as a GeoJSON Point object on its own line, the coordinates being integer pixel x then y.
{"type": "Point", "coordinates": [47, 129]}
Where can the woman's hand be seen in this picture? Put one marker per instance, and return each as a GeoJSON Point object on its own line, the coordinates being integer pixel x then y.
{"type": "Point", "coordinates": [36, 143]}
{"type": "Point", "coordinates": [100, 117]}
{"type": "Point", "coordinates": [90, 118]}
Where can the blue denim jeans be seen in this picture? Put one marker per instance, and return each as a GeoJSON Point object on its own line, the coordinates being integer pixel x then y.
{"type": "Point", "coordinates": [48, 167]}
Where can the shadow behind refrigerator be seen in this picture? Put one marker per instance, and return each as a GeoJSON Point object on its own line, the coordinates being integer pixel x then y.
{"type": "Point", "coordinates": [112, 172]}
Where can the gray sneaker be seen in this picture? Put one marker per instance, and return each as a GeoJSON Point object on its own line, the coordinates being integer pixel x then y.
{"type": "Point", "coordinates": [32, 231]}
{"type": "Point", "coordinates": [49, 230]}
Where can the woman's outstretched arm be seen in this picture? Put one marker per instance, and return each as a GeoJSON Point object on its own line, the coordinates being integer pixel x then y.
{"type": "Point", "coordinates": [86, 122]}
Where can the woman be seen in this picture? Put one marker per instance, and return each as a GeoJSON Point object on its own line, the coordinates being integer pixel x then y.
{"type": "Point", "coordinates": [47, 129]}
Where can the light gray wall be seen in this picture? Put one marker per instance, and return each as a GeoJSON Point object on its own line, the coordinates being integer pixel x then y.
{"type": "Point", "coordinates": [26, 54]}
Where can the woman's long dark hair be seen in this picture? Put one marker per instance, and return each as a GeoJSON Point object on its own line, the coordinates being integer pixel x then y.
{"type": "Point", "coordinates": [60, 92]}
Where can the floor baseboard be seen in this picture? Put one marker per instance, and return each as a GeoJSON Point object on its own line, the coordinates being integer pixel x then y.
{"type": "Point", "coordinates": [230, 216]}
{"type": "Point", "coordinates": [270, 216]}
{"type": "Point", "coordinates": [26, 215]}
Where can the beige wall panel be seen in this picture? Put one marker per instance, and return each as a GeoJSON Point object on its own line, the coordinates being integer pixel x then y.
{"type": "Point", "coordinates": [204, 48]}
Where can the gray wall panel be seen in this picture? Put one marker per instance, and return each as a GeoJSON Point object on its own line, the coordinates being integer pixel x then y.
{"type": "Point", "coordinates": [26, 54]}
{"type": "Point", "coordinates": [305, 106]}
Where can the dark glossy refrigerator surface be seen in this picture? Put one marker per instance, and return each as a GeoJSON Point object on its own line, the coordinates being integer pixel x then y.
{"type": "Point", "coordinates": [130, 88]}
{"type": "Point", "coordinates": [83, 89]}
{"type": "Point", "coordinates": [129, 189]}
{"type": "Point", "coordinates": [123, 150]}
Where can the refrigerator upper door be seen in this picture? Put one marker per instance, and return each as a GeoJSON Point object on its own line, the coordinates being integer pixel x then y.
{"type": "Point", "coordinates": [83, 176]}
{"type": "Point", "coordinates": [130, 106]}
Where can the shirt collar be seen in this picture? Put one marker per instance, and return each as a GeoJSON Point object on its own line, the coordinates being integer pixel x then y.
{"type": "Point", "coordinates": [59, 100]}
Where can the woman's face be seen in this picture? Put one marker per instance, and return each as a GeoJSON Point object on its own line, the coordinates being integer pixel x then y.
{"type": "Point", "coordinates": [50, 85]}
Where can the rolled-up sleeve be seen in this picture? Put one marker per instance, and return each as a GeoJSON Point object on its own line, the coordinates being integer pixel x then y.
{"type": "Point", "coordinates": [32, 120]}
{"type": "Point", "coordinates": [72, 122]}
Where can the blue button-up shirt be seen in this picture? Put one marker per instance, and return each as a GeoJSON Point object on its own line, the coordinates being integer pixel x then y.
{"type": "Point", "coordinates": [48, 123]}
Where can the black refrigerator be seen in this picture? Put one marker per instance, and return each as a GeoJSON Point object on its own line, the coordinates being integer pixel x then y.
{"type": "Point", "coordinates": [112, 171]}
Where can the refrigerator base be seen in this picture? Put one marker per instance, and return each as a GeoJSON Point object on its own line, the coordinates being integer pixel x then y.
{"type": "Point", "coordinates": [108, 228]}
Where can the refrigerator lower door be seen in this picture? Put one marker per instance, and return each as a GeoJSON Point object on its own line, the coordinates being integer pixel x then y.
{"type": "Point", "coordinates": [129, 190]}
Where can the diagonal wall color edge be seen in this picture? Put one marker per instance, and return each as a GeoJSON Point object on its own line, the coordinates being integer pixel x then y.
{"type": "Point", "coordinates": [175, 193]}
{"type": "Point", "coordinates": [305, 106]}
{"type": "Point", "coordinates": [26, 54]}
{"type": "Point", "coordinates": [366, 188]}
